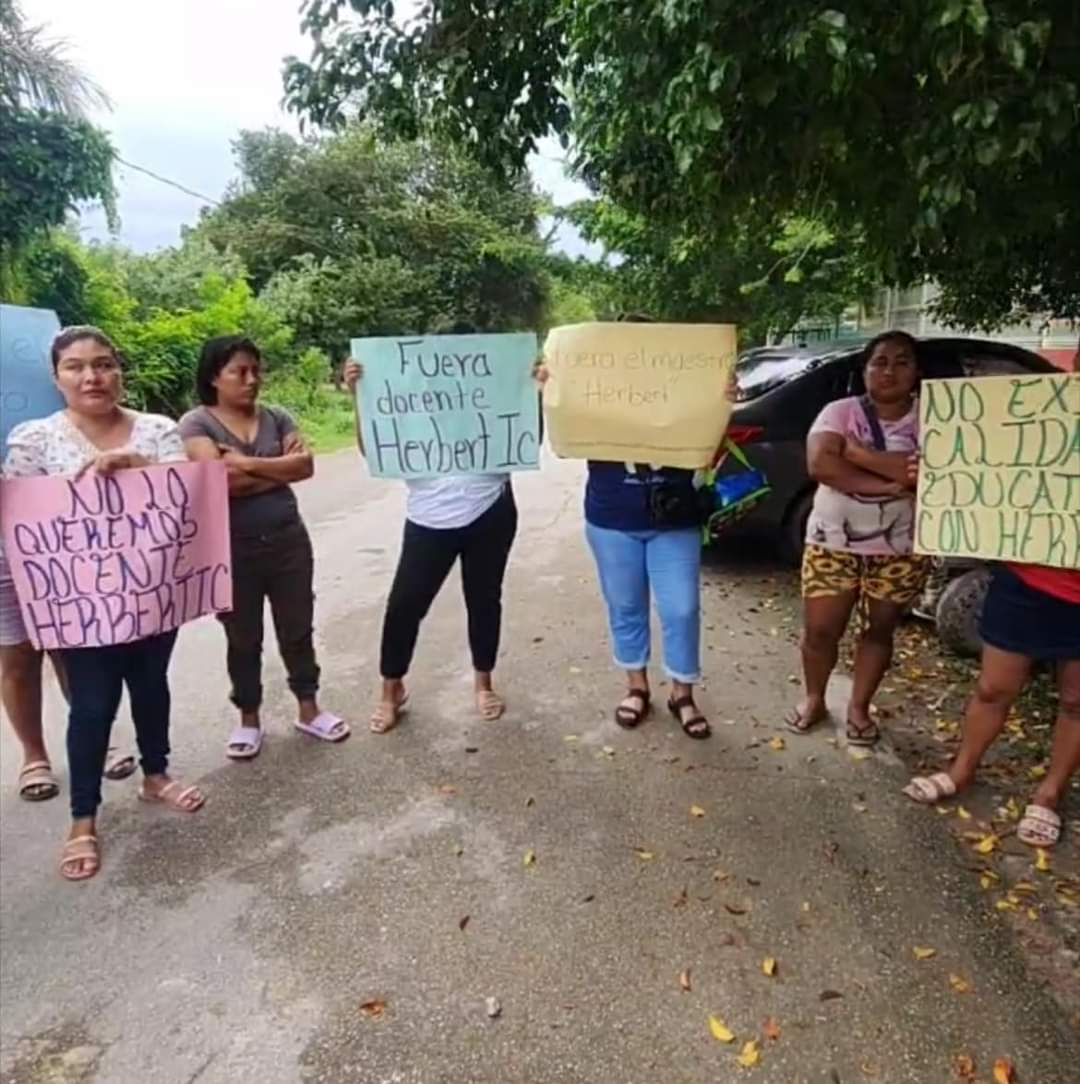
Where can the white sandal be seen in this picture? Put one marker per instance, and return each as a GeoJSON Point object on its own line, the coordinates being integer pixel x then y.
{"type": "Point", "coordinates": [930, 789]}
{"type": "Point", "coordinates": [1039, 827]}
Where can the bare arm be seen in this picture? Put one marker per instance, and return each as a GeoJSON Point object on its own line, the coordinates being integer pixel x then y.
{"type": "Point", "coordinates": [353, 372]}
{"type": "Point", "coordinates": [241, 483]}
{"type": "Point", "coordinates": [296, 464]}
{"type": "Point", "coordinates": [893, 466]}
{"type": "Point", "coordinates": [827, 465]}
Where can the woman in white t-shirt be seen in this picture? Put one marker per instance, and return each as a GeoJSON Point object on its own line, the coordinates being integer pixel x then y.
{"type": "Point", "coordinates": [95, 432]}
{"type": "Point", "coordinates": [471, 517]}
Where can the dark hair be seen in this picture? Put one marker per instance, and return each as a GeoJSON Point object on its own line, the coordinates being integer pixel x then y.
{"type": "Point", "coordinates": [66, 336]}
{"type": "Point", "coordinates": [891, 337]}
{"type": "Point", "coordinates": [216, 354]}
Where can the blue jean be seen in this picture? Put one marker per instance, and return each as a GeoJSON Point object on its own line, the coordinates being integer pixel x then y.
{"type": "Point", "coordinates": [96, 678]}
{"type": "Point", "coordinates": [630, 564]}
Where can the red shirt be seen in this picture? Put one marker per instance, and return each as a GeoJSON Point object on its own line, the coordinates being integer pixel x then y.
{"type": "Point", "coordinates": [1062, 583]}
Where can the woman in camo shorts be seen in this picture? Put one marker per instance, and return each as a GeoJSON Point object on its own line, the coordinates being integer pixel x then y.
{"type": "Point", "coordinates": [859, 536]}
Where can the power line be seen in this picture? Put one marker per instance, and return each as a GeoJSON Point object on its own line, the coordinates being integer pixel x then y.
{"type": "Point", "coordinates": [165, 180]}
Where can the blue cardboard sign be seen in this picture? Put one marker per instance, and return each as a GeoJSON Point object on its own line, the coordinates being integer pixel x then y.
{"type": "Point", "coordinates": [26, 384]}
{"type": "Point", "coordinates": [436, 405]}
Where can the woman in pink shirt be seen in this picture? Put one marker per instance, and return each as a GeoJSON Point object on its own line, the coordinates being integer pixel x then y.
{"type": "Point", "coordinates": [859, 536]}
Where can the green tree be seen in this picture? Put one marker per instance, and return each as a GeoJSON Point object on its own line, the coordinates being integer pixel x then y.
{"type": "Point", "coordinates": [944, 133]}
{"type": "Point", "coordinates": [51, 157]}
{"type": "Point", "coordinates": [348, 235]}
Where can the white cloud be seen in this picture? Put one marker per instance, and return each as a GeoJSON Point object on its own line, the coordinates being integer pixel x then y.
{"type": "Point", "coordinates": [184, 77]}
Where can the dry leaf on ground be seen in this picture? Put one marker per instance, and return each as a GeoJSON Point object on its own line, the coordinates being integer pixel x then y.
{"type": "Point", "coordinates": [962, 813]}
{"type": "Point", "coordinates": [771, 1029]}
{"type": "Point", "coordinates": [961, 986]}
{"type": "Point", "coordinates": [697, 811]}
{"type": "Point", "coordinates": [529, 859]}
{"type": "Point", "coordinates": [1042, 860]}
{"type": "Point", "coordinates": [963, 1067]}
{"type": "Point", "coordinates": [768, 966]}
{"type": "Point", "coordinates": [373, 1008]}
{"type": "Point", "coordinates": [921, 953]}
{"type": "Point", "coordinates": [719, 1030]}
{"type": "Point", "coordinates": [463, 922]}
{"type": "Point", "coordinates": [777, 743]}
{"type": "Point", "coordinates": [684, 979]}
{"type": "Point", "coordinates": [987, 845]}
{"type": "Point", "coordinates": [643, 854]}
{"type": "Point", "coordinates": [681, 899]}
{"type": "Point", "coordinates": [830, 995]}
{"type": "Point", "coordinates": [1004, 1073]}
{"type": "Point", "coordinates": [750, 1055]}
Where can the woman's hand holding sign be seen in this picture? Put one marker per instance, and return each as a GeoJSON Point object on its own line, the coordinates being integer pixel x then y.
{"type": "Point", "coordinates": [110, 462]}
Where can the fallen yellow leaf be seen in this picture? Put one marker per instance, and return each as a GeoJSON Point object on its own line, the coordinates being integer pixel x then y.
{"type": "Point", "coordinates": [643, 854]}
{"type": "Point", "coordinates": [768, 966]}
{"type": "Point", "coordinates": [962, 813]}
{"type": "Point", "coordinates": [924, 953]}
{"type": "Point", "coordinates": [771, 1029]}
{"type": "Point", "coordinates": [684, 979]}
{"type": "Point", "coordinates": [570, 738]}
{"type": "Point", "coordinates": [1033, 914]}
{"type": "Point", "coordinates": [1004, 1073]}
{"type": "Point", "coordinates": [750, 1055]}
{"type": "Point", "coordinates": [1042, 861]}
{"type": "Point", "coordinates": [961, 986]}
{"type": "Point", "coordinates": [987, 878]}
{"type": "Point", "coordinates": [987, 844]}
{"type": "Point", "coordinates": [1037, 772]}
{"type": "Point", "coordinates": [719, 1030]}
{"type": "Point", "coordinates": [697, 811]}
{"type": "Point", "coordinates": [529, 859]}
{"type": "Point", "coordinates": [777, 743]}
{"type": "Point", "coordinates": [806, 906]}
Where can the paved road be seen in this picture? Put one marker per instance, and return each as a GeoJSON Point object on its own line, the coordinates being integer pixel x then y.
{"type": "Point", "coordinates": [239, 945]}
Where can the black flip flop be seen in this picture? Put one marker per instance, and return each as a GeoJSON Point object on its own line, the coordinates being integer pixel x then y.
{"type": "Point", "coordinates": [697, 726]}
{"type": "Point", "coordinates": [862, 736]}
{"type": "Point", "coordinates": [632, 718]}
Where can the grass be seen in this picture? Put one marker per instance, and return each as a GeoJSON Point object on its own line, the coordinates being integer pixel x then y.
{"type": "Point", "coordinates": [324, 414]}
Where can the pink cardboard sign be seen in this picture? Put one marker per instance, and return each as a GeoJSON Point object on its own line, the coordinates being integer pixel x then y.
{"type": "Point", "coordinates": [111, 559]}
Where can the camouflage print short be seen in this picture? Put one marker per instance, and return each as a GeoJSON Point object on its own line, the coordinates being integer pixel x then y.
{"type": "Point", "coordinates": [887, 578]}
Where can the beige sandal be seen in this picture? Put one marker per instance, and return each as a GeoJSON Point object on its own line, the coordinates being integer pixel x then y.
{"type": "Point", "coordinates": [175, 795]}
{"type": "Point", "coordinates": [37, 782]}
{"type": "Point", "coordinates": [387, 715]}
{"type": "Point", "coordinates": [490, 705]}
{"type": "Point", "coordinates": [82, 849]}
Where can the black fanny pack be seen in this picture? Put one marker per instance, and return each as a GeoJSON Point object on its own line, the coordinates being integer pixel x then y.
{"type": "Point", "coordinates": [679, 504]}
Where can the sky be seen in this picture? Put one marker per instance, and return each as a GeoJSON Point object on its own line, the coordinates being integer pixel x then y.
{"type": "Point", "coordinates": [184, 77]}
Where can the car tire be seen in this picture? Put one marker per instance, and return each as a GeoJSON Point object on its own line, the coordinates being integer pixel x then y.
{"type": "Point", "coordinates": [959, 610]}
{"type": "Point", "coordinates": [793, 529]}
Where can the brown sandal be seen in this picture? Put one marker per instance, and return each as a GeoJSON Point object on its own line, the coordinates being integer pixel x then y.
{"type": "Point", "coordinates": [697, 726]}
{"type": "Point", "coordinates": [862, 736]}
{"type": "Point", "coordinates": [630, 718]}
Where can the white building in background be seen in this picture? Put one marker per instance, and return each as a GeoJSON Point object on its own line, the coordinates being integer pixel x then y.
{"type": "Point", "coordinates": [911, 310]}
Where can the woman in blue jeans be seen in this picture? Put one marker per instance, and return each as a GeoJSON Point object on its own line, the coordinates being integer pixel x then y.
{"type": "Point", "coordinates": [641, 525]}
{"type": "Point", "coordinates": [94, 432]}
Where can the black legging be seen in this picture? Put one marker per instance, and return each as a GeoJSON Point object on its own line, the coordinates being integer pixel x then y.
{"type": "Point", "coordinates": [427, 555]}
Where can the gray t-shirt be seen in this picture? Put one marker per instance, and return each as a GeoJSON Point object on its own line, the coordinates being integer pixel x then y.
{"type": "Point", "coordinates": [260, 513]}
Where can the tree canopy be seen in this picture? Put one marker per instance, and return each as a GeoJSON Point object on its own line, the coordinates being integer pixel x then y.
{"type": "Point", "coordinates": [51, 156]}
{"type": "Point", "coordinates": [945, 134]}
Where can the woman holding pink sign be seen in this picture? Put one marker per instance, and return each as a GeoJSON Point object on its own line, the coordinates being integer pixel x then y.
{"type": "Point", "coordinates": [95, 433]}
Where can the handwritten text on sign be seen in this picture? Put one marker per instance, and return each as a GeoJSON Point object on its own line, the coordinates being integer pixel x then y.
{"type": "Point", "coordinates": [111, 559]}
{"type": "Point", "coordinates": [1000, 473]}
{"type": "Point", "coordinates": [640, 393]}
{"type": "Point", "coordinates": [448, 404]}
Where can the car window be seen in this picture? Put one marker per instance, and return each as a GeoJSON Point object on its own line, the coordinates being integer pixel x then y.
{"type": "Point", "coordinates": [760, 371]}
{"type": "Point", "coordinates": [985, 365]}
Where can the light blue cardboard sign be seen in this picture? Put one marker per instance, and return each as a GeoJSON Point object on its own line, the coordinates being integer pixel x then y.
{"type": "Point", "coordinates": [448, 404]}
{"type": "Point", "coordinates": [26, 386]}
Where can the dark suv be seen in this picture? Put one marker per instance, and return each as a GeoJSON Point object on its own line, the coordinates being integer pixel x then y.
{"type": "Point", "coordinates": [783, 389]}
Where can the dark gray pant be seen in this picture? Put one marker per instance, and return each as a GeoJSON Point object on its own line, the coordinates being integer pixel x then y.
{"type": "Point", "coordinates": [279, 568]}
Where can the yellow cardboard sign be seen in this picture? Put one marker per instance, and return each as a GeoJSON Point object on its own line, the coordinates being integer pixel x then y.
{"type": "Point", "coordinates": [639, 393]}
{"type": "Point", "coordinates": [1000, 469]}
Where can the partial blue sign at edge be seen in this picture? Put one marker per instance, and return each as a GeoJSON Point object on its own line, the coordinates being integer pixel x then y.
{"type": "Point", "coordinates": [26, 386]}
{"type": "Point", "coordinates": [439, 405]}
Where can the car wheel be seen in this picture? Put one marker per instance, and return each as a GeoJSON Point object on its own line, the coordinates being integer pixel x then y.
{"type": "Point", "coordinates": [793, 531]}
{"type": "Point", "coordinates": [959, 609]}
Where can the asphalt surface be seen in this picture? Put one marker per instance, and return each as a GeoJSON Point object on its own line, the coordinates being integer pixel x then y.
{"type": "Point", "coordinates": [242, 943]}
